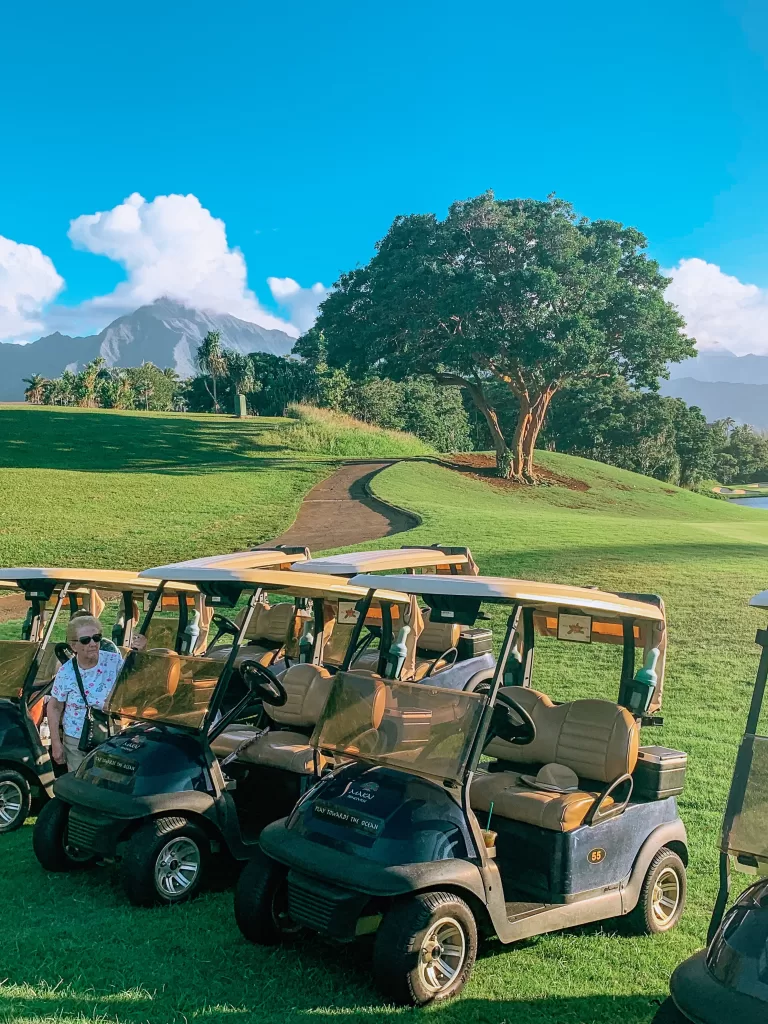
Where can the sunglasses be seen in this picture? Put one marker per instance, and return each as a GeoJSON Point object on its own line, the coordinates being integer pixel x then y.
{"type": "Point", "coordinates": [85, 640]}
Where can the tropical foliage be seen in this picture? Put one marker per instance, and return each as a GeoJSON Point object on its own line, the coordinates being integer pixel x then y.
{"type": "Point", "coordinates": [98, 386]}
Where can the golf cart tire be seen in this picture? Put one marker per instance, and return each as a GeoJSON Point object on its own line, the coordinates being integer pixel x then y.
{"type": "Point", "coordinates": [397, 950]}
{"type": "Point", "coordinates": [642, 920]}
{"type": "Point", "coordinates": [260, 882]}
{"type": "Point", "coordinates": [10, 781]}
{"type": "Point", "coordinates": [142, 852]}
{"type": "Point", "coordinates": [49, 839]}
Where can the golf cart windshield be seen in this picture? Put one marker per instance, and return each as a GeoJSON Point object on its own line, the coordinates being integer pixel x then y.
{"type": "Point", "coordinates": [164, 687]}
{"type": "Point", "coordinates": [747, 838]}
{"type": "Point", "coordinates": [16, 657]}
{"type": "Point", "coordinates": [423, 729]}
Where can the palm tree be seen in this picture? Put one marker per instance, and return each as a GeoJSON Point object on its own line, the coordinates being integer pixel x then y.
{"type": "Point", "coordinates": [212, 362]}
{"type": "Point", "coordinates": [34, 393]}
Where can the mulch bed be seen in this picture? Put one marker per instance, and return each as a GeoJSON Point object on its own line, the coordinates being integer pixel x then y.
{"type": "Point", "coordinates": [483, 467]}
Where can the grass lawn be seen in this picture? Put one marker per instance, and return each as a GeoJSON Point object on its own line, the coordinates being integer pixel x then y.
{"type": "Point", "coordinates": [73, 950]}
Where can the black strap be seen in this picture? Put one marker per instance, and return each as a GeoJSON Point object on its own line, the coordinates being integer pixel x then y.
{"type": "Point", "coordinates": [79, 679]}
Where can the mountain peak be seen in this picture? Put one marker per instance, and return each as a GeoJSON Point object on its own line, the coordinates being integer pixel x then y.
{"type": "Point", "coordinates": [165, 332]}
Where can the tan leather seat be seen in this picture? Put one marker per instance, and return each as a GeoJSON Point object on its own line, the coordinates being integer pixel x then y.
{"type": "Point", "coordinates": [270, 624]}
{"type": "Point", "coordinates": [307, 687]}
{"type": "Point", "coordinates": [435, 639]}
{"type": "Point", "coordinates": [595, 738]}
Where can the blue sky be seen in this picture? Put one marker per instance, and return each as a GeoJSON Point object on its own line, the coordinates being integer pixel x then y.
{"type": "Point", "coordinates": [307, 127]}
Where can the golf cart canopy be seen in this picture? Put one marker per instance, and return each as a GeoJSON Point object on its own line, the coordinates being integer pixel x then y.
{"type": "Point", "coordinates": [262, 558]}
{"type": "Point", "coordinates": [442, 559]}
{"type": "Point", "coordinates": [84, 579]}
{"type": "Point", "coordinates": [330, 587]}
{"type": "Point", "coordinates": [545, 597]}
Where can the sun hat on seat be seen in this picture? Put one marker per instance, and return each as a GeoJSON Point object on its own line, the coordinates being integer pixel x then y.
{"type": "Point", "coordinates": [554, 778]}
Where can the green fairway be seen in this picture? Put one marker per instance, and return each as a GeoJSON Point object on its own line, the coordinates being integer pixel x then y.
{"type": "Point", "coordinates": [73, 950]}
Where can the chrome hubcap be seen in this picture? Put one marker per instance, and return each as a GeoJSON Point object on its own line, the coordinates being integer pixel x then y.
{"type": "Point", "coordinates": [665, 897]}
{"type": "Point", "coordinates": [11, 799]}
{"type": "Point", "coordinates": [443, 953]}
{"type": "Point", "coordinates": [177, 867]}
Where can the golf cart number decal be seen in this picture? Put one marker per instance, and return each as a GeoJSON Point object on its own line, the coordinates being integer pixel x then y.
{"type": "Point", "coordinates": [576, 628]}
{"type": "Point", "coordinates": [596, 856]}
{"type": "Point", "coordinates": [348, 819]}
{"type": "Point", "coordinates": [114, 765]}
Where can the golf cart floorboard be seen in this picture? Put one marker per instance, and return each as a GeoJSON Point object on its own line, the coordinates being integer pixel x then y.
{"type": "Point", "coordinates": [517, 909]}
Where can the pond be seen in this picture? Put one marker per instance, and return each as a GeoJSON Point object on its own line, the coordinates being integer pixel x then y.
{"type": "Point", "coordinates": [752, 502]}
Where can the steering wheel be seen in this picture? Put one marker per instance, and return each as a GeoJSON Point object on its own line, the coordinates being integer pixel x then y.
{"type": "Point", "coordinates": [63, 653]}
{"type": "Point", "coordinates": [263, 683]}
{"type": "Point", "coordinates": [225, 625]}
{"type": "Point", "coordinates": [504, 727]}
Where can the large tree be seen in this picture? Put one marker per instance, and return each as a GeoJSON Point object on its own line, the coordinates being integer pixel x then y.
{"type": "Point", "coordinates": [212, 362]}
{"type": "Point", "coordinates": [519, 293]}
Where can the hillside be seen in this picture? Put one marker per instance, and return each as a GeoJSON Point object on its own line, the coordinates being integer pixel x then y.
{"type": "Point", "coordinates": [165, 333]}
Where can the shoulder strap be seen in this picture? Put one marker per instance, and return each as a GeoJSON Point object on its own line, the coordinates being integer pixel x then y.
{"type": "Point", "coordinates": [79, 678]}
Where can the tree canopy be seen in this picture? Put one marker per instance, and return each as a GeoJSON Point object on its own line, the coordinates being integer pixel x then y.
{"type": "Point", "coordinates": [518, 292]}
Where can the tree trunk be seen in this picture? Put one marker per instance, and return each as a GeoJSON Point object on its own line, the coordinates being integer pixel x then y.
{"type": "Point", "coordinates": [503, 453]}
{"type": "Point", "coordinates": [533, 422]}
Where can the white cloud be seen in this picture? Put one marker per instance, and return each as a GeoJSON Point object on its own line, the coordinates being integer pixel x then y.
{"type": "Point", "coordinates": [28, 282]}
{"type": "Point", "coordinates": [301, 303]}
{"type": "Point", "coordinates": [170, 246]}
{"type": "Point", "coordinates": [721, 311]}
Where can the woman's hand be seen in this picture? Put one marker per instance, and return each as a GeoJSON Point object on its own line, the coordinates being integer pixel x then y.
{"type": "Point", "coordinates": [138, 642]}
{"type": "Point", "coordinates": [57, 751]}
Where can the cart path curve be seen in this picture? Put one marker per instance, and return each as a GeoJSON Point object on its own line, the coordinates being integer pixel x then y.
{"type": "Point", "coordinates": [341, 511]}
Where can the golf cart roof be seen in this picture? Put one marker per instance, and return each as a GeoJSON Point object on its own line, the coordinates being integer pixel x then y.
{"type": "Point", "coordinates": [355, 562]}
{"type": "Point", "coordinates": [256, 559]}
{"type": "Point", "coordinates": [277, 582]}
{"type": "Point", "coordinates": [106, 579]}
{"type": "Point", "coordinates": [501, 590]}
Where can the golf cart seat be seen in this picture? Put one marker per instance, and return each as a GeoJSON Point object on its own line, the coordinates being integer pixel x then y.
{"type": "Point", "coordinates": [596, 739]}
{"type": "Point", "coordinates": [266, 637]}
{"type": "Point", "coordinates": [288, 748]}
{"type": "Point", "coordinates": [436, 647]}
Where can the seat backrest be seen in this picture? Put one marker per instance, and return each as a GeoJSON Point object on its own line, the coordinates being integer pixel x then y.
{"type": "Point", "coordinates": [437, 636]}
{"type": "Point", "coordinates": [307, 687]}
{"type": "Point", "coordinates": [595, 738]}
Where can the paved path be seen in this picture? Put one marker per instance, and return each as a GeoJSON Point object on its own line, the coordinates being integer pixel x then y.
{"type": "Point", "coordinates": [340, 511]}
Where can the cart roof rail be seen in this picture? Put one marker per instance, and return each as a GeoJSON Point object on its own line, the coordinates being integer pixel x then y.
{"type": "Point", "coordinates": [275, 558]}
{"type": "Point", "coordinates": [278, 582]}
{"type": "Point", "coordinates": [502, 590]}
{"type": "Point", "coordinates": [106, 579]}
{"type": "Point", "coordinates": [355, 562]}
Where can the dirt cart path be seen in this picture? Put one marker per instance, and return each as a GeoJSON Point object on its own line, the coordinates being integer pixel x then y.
{"type": "Point", "coordinates": [341, 511]}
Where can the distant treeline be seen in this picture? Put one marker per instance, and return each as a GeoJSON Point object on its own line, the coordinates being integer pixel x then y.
{"type": "Point", "coordinates": [607, 421]}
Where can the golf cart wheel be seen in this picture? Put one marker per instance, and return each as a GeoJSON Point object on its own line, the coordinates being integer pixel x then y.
{"type": "Point", "coordinates": [15, 800]}
{"type": "Point", "coordinates": [425, 948]}
{"type": "Point", "coordinates": [49, 840]}
{"type": "Point", "coordinates": [261, 903]}
{"type": "Point", "coordinates": [164, 862]}
{"type": "Point", "coordinates": [662, 897]}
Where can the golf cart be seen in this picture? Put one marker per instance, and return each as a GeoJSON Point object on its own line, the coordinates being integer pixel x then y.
{"type": "Point", "coordinates": [445, 652]}
{"type": "Point", "coordinates": [213, 748]}
{"type": "Point", "coordinates": [729, 980]}
{"type": "Point", "coordinates": [29, 664]}
{"type": "Point", "coordinates": [581, 823]}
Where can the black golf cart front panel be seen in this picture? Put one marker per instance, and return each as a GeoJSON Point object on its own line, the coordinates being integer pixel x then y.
{"type": "Point", "coordinates": [382, 815]}
{"type": "Point", "coordinates": [560, 867]}
{"type": "Point", "coordinates": [738, 955]}
{"type": "Point", "coordinates": [146, 770]}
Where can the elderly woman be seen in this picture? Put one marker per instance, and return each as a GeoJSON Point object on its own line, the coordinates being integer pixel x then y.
{"type": "Point", "coordinates": [98, 671]}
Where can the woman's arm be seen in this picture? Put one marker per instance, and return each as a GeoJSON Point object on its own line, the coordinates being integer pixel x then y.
{"type": "Point", "coordinates": [54, 709]}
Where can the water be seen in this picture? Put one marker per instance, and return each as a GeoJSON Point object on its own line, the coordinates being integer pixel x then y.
{"type": "Point", "coordinates": [751, 502]}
